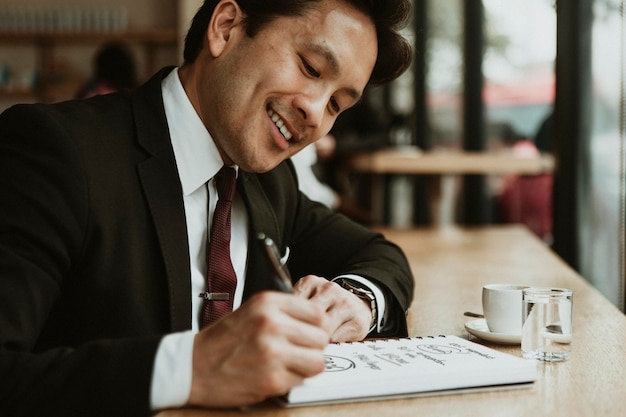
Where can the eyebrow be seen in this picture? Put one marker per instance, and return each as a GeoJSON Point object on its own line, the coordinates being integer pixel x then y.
{"type": "Point", "coordinates": [330, 57]}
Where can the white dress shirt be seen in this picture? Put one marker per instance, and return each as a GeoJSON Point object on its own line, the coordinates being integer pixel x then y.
{"type": "Point", "coordinates": [198, 160]}
{"type": "Point", "coordinates": [310, 185]}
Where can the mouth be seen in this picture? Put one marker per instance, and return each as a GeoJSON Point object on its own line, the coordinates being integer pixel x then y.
{"type": "Point", "coordinates": [280, 124]}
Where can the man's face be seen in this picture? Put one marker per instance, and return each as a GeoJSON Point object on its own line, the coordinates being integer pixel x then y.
{"type": "Point", "coordinates": [265, 98]}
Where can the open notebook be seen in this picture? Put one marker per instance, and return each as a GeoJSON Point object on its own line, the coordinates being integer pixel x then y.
{"type": "Point", "coordinates": [384, 368]}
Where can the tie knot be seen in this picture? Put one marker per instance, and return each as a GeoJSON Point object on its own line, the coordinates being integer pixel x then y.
{"type": "Point", "coordinates": [225, 183]}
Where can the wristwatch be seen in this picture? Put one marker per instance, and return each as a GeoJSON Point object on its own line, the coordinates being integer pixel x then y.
{"type": "Point", "coordinates": [363, 294]}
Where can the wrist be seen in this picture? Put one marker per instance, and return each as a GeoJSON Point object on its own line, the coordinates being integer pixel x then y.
{"type": "Point", "coordinates": [365, 295]}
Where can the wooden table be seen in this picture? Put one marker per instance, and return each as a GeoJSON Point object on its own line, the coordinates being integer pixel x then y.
{"type": "Point", "coordinates": [450, 267]}
{"type": "Point", "coordinates": [444, 167]}
{"type": "Point", "coordinates": [410, 160]}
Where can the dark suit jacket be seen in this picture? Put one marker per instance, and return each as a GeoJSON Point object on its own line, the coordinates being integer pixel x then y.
{"type": "Point", "coordinates": [94, 265]}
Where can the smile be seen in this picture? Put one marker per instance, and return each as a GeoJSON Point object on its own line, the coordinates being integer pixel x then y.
{"type": "Point", "coordinates": [279, 124]}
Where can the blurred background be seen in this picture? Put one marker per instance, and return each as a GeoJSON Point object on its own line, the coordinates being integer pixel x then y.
{"type": "Point", "coordinates": [514, 112]}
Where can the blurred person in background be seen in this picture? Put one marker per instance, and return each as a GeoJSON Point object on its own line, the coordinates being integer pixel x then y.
{"type": "Point", "coordinates": [320, 166]}
{"type": "Point", "coordinates": [113, 69]}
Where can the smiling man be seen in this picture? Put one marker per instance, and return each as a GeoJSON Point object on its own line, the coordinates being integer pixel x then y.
{"type": "Point", "coordinates": [266, 97]}
{"type": "Point", "coordinates": [108, 207]}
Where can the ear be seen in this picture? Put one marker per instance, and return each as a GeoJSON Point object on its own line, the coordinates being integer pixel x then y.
{"type": "Point", "coordinates": [226, 17]}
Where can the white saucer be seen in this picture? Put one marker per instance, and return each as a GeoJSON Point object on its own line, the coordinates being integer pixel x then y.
{"type": "Point", "coordinates": [479, 329]}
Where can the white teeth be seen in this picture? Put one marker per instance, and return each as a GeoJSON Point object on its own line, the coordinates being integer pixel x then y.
{"type": "Point", "coordinates": [280, 124]}
{"type": "Point", "coordinates": [286, 133]}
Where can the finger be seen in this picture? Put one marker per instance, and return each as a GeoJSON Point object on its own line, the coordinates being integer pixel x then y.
{"type": "Point", "coordinates": [339, 305]}
{"type": "Point", "coordinates": [347, 317]}
{"type": "Point", "coordinates": [349, 331]}
{"type": "Point", "coordinates": [260, 348]}
{"type": "Point", "coordinates": [305, 287]}
{"type": "Point", "coordinates": [305, 362]}
{"type": "Point", "coordinates": [304, 334]}
{"type": "Point", "coordinates": [299, 321]}
{"type": "Point", "coordinates": [291, 304]}
{"type": "Point", "coordinates": [320, 290]}
{"type": "Point", "coordinates": [252, 377]}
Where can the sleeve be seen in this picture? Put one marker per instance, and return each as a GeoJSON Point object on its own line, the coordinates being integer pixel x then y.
{"type": "Point", "coordinates": [42, 219]}
{"type": "Point", "coordinates": [173, 368]}
{"type": "Point", "coordinates": [331, 245]}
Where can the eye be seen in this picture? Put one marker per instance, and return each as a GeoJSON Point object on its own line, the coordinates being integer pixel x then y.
{"type": "Point", "coordinates": [309, 69]}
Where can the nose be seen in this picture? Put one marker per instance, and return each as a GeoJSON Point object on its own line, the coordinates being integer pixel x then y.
{"type": "Point", "coordinates": [312, 108]}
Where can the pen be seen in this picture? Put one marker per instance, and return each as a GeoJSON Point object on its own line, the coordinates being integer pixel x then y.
{"type": "Point", "coordinates": [282, 276]}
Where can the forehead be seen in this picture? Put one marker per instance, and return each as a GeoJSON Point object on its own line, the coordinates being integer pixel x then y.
{"type": "Point", "coordinates": [342, 35]}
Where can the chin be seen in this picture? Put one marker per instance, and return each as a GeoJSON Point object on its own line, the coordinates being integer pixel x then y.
{"type": "Point", "coordinates": [260, 167]}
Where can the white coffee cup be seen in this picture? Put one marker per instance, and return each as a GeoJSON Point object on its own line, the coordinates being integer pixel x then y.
{"type": "Point", "coordinates": [502, 307]}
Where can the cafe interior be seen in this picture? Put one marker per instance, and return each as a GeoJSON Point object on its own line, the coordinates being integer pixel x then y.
{"type": "Point", "coordinates": [499, 156]}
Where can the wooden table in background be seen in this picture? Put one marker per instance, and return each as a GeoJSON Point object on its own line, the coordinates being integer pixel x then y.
{"type": "Point", "coordinates": [410, 160]}
{"type": "Point", "coordinates": [444, 167]}
{"type": "Point", "coordinates": [450, 268]}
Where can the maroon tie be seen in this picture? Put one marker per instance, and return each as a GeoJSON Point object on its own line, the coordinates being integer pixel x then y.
{"type": "Point", "coordinates": [221, 278]}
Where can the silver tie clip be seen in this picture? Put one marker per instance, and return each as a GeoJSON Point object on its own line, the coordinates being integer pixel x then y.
{"type": "Point", "coordinates": [214, 296]}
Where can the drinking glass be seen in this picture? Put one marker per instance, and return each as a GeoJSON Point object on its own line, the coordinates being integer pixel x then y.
{"type": "Point", "coordinates": [547, 323]}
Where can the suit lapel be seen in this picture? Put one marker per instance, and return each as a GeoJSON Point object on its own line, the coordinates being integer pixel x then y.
{"type": "Point", "coordinates": [262, 220]}
{"type": "Point", "coordinates": [159, 177]}
{"type": "Point", "coordinates": [161, 185]}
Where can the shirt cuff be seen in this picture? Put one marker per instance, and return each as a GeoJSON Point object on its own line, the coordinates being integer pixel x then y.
{"type": "Point", "coordinates": [378, 297]}
{"type": "Point", "coordinates": [171, 377]}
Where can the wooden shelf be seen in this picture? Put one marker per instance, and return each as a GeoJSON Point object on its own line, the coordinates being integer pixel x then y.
{"type": "Point", "coordinates": [44, 44]}
{"type": "Point", "coordinates": [17, 93]}
{"type": "Point", "coordinates": [157, 36]}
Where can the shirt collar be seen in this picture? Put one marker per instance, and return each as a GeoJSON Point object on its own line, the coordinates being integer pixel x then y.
{"type": "Point", "coordinates": [197, 157]}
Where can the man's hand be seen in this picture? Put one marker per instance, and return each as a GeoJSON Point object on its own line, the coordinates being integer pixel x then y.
{"type": "Point", "coordinates": [263, 349]}
{"type": "Point", "coordinates": [348, 317]}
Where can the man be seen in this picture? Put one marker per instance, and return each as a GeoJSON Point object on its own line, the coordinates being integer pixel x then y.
{"type": "Point", "coordinates": [104, 220]}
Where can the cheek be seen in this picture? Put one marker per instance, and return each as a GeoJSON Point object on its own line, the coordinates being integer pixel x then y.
{"type": "Point", "coordinates": [327, 125]}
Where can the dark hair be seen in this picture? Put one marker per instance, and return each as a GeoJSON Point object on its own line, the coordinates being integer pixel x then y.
{"type": "Point", "coordinates": [389, 16]}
